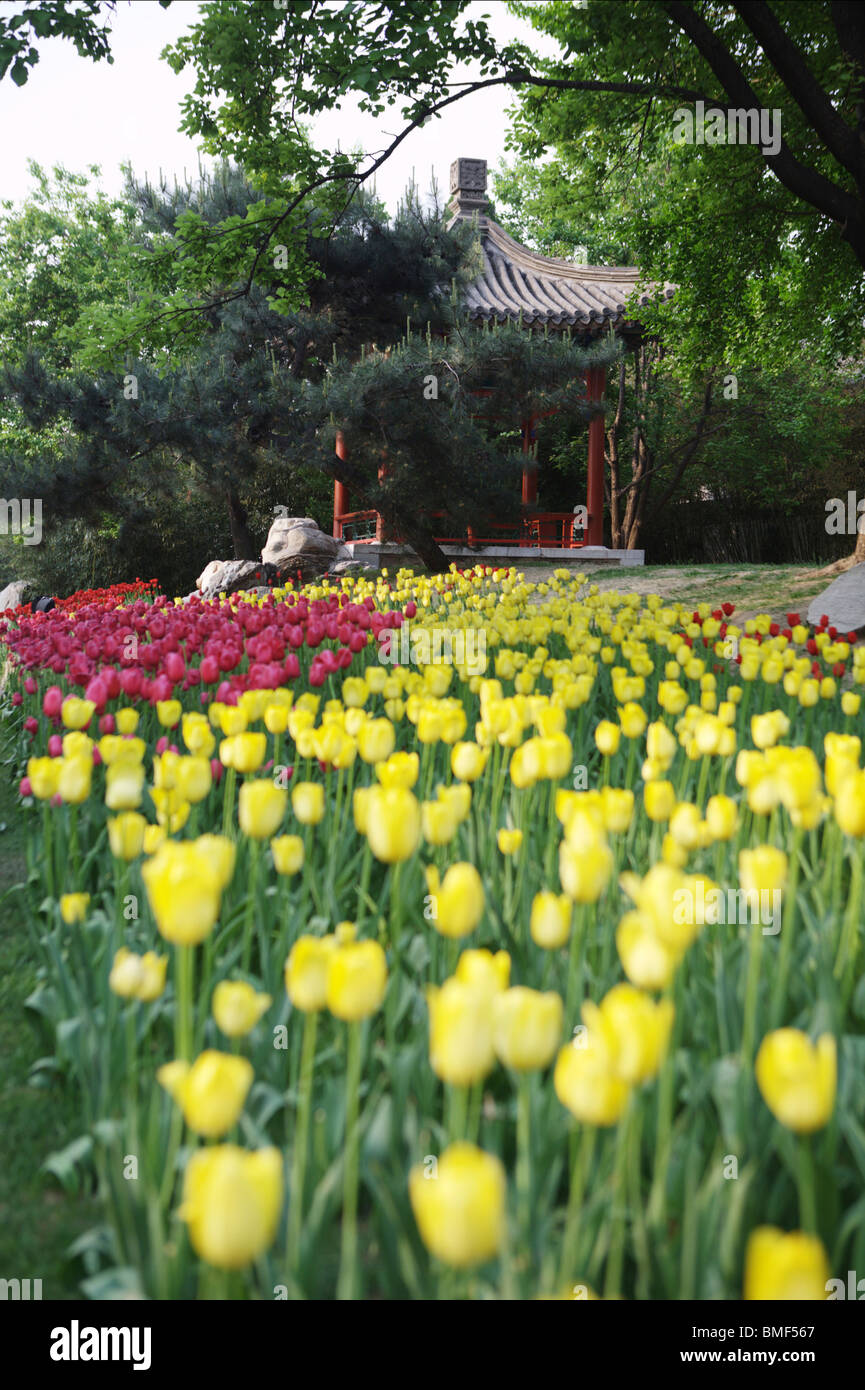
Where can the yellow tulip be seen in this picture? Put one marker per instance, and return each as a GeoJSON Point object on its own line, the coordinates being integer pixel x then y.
{"type": "Point", "coordinates": [76, 713]}
{"type": "Point", "coordinates": [550, 922]}
{"type": "Point", "coordinates": [356, 980]}
{"type": "Point", "coordinates": [648, 961]}
{"type": "Point", "coordinates": [632, 719]}
{"type": "Point", "coordinates": [635, 1030]}
{"type": "Point", "coordinates": [722, 817]}
{"type": "Point", "coordinates": [460, 1208]}
{"type": "Point", "coordinates": [797, 1078]}
{"type": "Point", "coordinates": [607, 738]}
{"type": "Point", "coordinates": [44, 775]}
{"type": "Point", "coordinates": [585, 873]}
{"type": "Point", "coordinates": [211, 1092]}
{"type": "Point", "coordinates": [73, 907]}
{"type": "Point", "coordinates": [152, 981]}
{"type": "Point", "coordinates": [438, 822]}
{"type": "Point", "coordinates": [509, 841]}
{"type": "Point", "coordinates": [171, 809]}
{"type": "Point", "coordinates": [231, 1203]}
{"type": "Point", "coordinates": [399, 770]}
{"type": "Point", "coordinates": [127, 720]}
{"type": "Point", "coordinates": [125, 974]}
{"type": "Point", "coordinates": [458, 797]}
{"type": "Point", "coordinates": [183, 890]}
{"type": "Point", "coordinates": [458, 899]}
{"type": "Point", "coordinates": [138, 977]}
{"type": "Point", "coordinates": [194, 778]}
{"type": "Point", "coordinates": [527, 1027]}
{"type": "Point", "coordinates": [661, 746]}
{"type": "Point", "coordinates": [785, 1266]}
{"type": "Point", "coordinates": [306, 972]}
{"type": "Point", "coordinates": [685, 825]}
{"type": "Point", "coordinates": [221, 853]}
{"type": "Point", "coordinates": [231, 719]}
{"type": "Point", "coordinates": [154, 836]}
{"type": "Point", "coordinates": [276, 718]}
{"type": "Point", "coordinates": [393, 823]}
{"type": "Point", "coordinates": [197, 734]}
{"type": "Point", "coordinates": [288, 854]}
{"type": "Point", "coordinates": [461, 1031]}
{"type": "Point", "coordinates": [76, 773]}
{"type": "Point", "coordinates": [126, 835]}
{"type": "Point", "coordinates": [762, 870]}
{"type": "Point", "coordinates": [260, 808]}
{"type": "Point", "coordinates": [124, 786]}
{"type": "Point", "coordinates": [168, 713]}
{"type": "Point", "coordinates": [307, 802]}
{"type": "Point", "coordinates": [468, 761]}
{"type": "Point", "coordinates": [376, 740]}
{"type": "Point", "coordinates": [617, 807]}
{"type": "Point", "coordinates": [484, 970]}
{"type": "Point", "coordinates": [237, 1007]}
{"type": "Point", "coordinates": [586, 1083]}
{"type": "Point", "coordinates": [850, 804]}
{"type": "Point", "coordinates": [659, 799]}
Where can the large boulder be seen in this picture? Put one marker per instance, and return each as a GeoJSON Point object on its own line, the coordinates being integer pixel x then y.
{"type": "Point", "coordinates": [227, 577]}
{"type": "Point", "coordinates": [14, 594]}
{"type": "Point", "coordinates": [843, 602]}
{"type": "Point", "coordinates": [295, 543]}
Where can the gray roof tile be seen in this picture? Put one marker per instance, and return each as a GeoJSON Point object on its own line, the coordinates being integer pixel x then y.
{"type": "Point", "coordinates": [545, 289]}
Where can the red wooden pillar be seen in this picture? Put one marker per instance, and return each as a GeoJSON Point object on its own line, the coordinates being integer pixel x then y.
{"type": "Point", "coordinates": [530, 467]}
{"type": "Point", "coordinates": [379, 524]}
{"type": "Point", "coordinates": [340, 491]}
{"type": "Point", "coordinates": [594, 534]}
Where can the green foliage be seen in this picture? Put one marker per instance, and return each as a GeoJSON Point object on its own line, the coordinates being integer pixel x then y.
{"type": "Point", "coordinates": [51, 19]}
{"type": "Point", "coordinates": [760, 272]}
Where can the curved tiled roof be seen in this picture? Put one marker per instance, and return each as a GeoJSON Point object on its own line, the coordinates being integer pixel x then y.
{"type": "Point", "coordinates": [520, 284]}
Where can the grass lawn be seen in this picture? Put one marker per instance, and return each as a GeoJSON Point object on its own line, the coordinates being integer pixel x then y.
{"type": "Point", "coordinates": [38, 1220]}
{"type": "Point", "coordinates": [775, 589]}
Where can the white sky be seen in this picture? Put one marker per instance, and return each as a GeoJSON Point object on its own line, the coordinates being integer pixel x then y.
{"type": "Point", "coordinates": [75, 112]}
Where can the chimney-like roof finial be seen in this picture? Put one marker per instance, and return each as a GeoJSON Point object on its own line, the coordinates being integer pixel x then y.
{"type": "Point", "coordinates": [468, 187]}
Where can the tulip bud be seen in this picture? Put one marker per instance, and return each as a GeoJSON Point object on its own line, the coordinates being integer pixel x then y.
{"type": "Point", "coordinates": [461, 1213]}
{"type": "Point", "coordinates": [784, 1267]}
{"type": "Point", "coordinates": [231, 1203]}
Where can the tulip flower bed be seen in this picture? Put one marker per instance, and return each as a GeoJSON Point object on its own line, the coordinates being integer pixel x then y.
{"type": "Point", "coordinates": [416, 980]}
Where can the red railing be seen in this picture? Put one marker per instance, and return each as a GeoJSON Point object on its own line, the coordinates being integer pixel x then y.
{"type": "Point", "coordinates": [556, 530]}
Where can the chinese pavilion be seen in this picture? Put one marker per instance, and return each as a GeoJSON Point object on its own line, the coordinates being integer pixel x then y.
{"type": "Point", "coordinates": [537, 292]}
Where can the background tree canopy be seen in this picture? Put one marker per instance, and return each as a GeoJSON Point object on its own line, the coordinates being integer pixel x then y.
{"type": "Point", "coordinates": [248, 297]}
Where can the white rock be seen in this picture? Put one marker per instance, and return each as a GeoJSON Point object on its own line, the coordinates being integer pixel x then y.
{"type": "Point", "coordinates": [843, 602]}
{"type": "Point", "coordinates": [14, 594]}
{"type": "Point", "coordinates": [226, 576]}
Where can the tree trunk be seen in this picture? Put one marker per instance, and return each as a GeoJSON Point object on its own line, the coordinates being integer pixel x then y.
{"type": "Point", "coordinates": [840, 566]}
{"type": "Point", "coordinates": [245, 545]}
{"type": "Point", "coordinates": [613, 458]}
{"type": "Point", "coordinates": [421, 540]}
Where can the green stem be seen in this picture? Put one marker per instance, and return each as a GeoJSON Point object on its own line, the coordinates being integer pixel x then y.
{"type": "Point", "coordinates": [615, 1260]}
{"type": "Point", "coordinates": [787, 928]}
{"type": "Point", "coordinates": [524, 1155]}
{"type": "Point", "coordinates": [183, 1017]}
{"type": "Point", "coordinates": [301, 1141]}
{"type": "Point", "coordinates": [806, 1185]}
{"type": "Point", "coordinates": [579, 1174]}
{"type": "Point", "coordinates": [346, 1283]}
